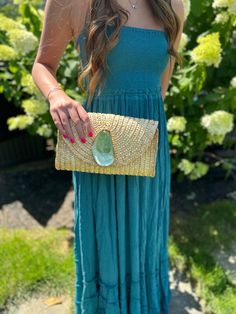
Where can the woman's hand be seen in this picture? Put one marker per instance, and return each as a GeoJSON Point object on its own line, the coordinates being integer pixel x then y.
{"type": "Point", "coordinates": [63, 108]}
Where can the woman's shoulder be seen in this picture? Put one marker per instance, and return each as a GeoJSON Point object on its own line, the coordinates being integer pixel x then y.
{"type": "Point", "coordinates": [78, 13]}
{"type": "Point", "coordinates": [178, 7]}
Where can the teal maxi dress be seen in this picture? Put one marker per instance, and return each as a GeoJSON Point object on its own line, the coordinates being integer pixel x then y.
{"type": "Point", "coordinates": [121, 222]}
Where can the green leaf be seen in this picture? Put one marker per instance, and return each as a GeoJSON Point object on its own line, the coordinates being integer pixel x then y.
{"type": "Point", "coordinates": [176, 140]}
{"type": "Point", "coordinates": [13, 68]}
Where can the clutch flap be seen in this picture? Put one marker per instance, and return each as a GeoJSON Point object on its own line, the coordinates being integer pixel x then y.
{"type": "Point", "coordinates": [129, 137]}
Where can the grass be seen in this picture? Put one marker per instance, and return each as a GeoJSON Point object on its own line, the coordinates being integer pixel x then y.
{"type": "Point", "coordinates": [34, 260]}
{"type": "Point", "coordinates": [40, 259]}
{"type": "Point", "coordinates": [195, 236]}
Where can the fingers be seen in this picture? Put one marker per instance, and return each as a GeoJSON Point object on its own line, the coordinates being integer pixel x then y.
{"type": "Point", "coordinates": [66, 125]}
{"type": "Point", "coordinates": [57, 121]}
{"type": "Point", "coordinates": [80, 128]}
{"type": "Point", "coordinates": [84, 118]}
{"type": "Point", "coordinates": [69, 109]}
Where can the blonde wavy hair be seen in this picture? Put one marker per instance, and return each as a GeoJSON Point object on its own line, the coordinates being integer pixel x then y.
{"type": "Point", "coordinates": [100, 15]}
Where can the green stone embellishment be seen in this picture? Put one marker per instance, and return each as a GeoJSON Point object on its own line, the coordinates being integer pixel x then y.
{"type": "Point", "coordinates": [102, 149]}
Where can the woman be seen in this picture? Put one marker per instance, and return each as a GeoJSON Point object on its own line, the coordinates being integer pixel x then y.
{"type": "Point", "coordinates": [120, 222]}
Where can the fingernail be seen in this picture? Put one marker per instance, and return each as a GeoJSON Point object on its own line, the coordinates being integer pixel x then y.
{"type": "Point", "coordinates": [90, 134]}
{"type": "Point", "coordinates": [72, 140]}
{"type": "Point", "coordinates": [83, 140]}
{"type": "Point", "coordinates": [65, 135]}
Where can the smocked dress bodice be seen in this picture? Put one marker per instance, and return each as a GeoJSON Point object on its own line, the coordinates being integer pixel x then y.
{"type": "Point", "coordinates": [138, 59]}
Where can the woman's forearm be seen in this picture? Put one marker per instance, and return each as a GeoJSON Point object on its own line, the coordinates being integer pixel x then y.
{"type": "Point", "coordinates": [44, 77]}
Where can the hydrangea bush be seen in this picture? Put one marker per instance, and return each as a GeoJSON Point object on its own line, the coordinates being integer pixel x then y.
{"type": "Point", "coordinates": [200, 103]}
{"type": "Point", "coordinates": [201, 100]}
{"type": "Point", "coordinates": [19, 39]}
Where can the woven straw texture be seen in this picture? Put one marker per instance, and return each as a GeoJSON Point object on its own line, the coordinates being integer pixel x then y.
{"type": "Point", "coordinates": [135, 144]}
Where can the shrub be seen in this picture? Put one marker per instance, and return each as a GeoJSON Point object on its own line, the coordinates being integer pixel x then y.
{"type": "Point", "coordinates": [200, 103]}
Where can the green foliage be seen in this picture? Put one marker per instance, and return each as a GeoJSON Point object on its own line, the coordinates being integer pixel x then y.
{"type": "Point", "coordinates": [200, 103]}
{"type": "Point", "coordinates": [195, 236]}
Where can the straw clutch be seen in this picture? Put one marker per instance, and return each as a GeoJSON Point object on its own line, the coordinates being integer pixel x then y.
{"type": "Point", "coordinates": [121, 145]}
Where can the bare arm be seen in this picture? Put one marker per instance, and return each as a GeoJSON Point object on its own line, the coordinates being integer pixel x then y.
{"type": "Point", "coordinates": [58, 30]}
{"type": "Point", "coordinates": [178, 7]}
{"type": "Point", "coordinates": [56, 35]}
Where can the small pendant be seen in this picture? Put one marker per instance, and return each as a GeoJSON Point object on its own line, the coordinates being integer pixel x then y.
{"type": "Point", "coordinates": [134, 6]}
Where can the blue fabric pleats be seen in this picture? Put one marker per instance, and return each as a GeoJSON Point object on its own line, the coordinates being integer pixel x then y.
{"type": "Point", "coordinates": [121, 223]}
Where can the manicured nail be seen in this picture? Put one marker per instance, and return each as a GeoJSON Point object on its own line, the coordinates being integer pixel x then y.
{"type": "Point", "coordinates": [65, 135]}
{"type": "Point", "coordinates": [90, 134]}
{"type": "Point", "coordinates": [72, 140]}
{"type": "Point", "coordinates": [83, 140]}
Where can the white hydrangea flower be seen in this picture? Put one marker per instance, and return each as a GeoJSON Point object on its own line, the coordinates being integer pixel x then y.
{"type": "Point", "coordinates": [19, 122]}
{"type": "Point", "coordinates": [221, 3]}
{"type": "Point", "coordinates": [44, 130]}
{"type": "Point", "coordinates": [187, 7]}
{"type": "Point", "coordinates": [219, 122]}
{"type": "Point", "coordinates": [41, 13]}
{"type": "Point", "coordinates": [215, 139]}
{"type": "Point", "coordinates": [199, 170]}
{"type": "Point", "coordinates": [22, 40]}
{"type": "Point", "coordinates": [9, 24]}
{"type": "Point", "coordinates": [232, 8]}
{"type": "Point", "coordinates": [7, 53]}
{"type": "Point", "coordinates": [209, 50]}
{"type": "Point", "coordinates": [186, 166]}
{"type": "Point", "coordinates": [233, 82]}
{"type": "Point", "coordinates": [193, 170]}
{"type": "Point", "coordinates": [222, 17]}
{"type": "Point", "coordinates": [229, 4]}
{"type": "Point", "coordinates": [183, 41]}
{"type": "Point", "coordinates": [29, 86]}
{"type": "Point", "coordinates": [34, 107]}
{"type": "Point", "coordinates": [176, 124]}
